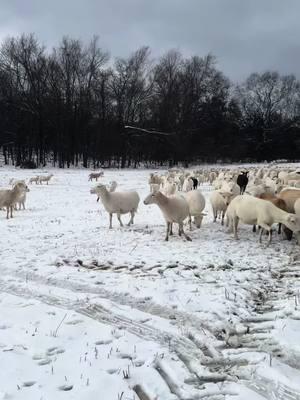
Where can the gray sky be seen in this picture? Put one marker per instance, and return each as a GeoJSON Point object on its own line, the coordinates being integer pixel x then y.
{"type": "Point", "coordinates": [244, 35]}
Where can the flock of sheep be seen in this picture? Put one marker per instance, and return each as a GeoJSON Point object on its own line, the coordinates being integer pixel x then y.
{"type": "Point", "coordinates": [10, 199]}
{"type": "Point", "coordinates": [259, 197]}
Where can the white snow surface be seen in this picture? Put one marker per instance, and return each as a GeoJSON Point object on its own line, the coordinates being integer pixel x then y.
{"type": "Point", "coordinates": [91, 313]}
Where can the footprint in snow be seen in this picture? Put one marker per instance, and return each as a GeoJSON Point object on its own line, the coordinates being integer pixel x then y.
{"type": "Point", "coordinates": [103, 342]}
{"type": "Point", "coordinates": [45, 361]}
{"type": "Point", "coordinates": [65, 388]}
{"type": "Point", "coordinates": [29, 383]}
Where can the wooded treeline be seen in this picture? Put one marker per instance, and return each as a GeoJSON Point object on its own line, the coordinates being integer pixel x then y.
{"type": "Point", "coordinates": [75, 106]}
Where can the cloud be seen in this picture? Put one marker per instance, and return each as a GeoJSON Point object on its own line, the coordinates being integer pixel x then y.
{"type": "Point", "coordinates": [245, 36]}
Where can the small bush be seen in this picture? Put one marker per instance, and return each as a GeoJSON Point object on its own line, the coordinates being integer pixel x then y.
{"type": "Point", "coordinates": [29, 164]}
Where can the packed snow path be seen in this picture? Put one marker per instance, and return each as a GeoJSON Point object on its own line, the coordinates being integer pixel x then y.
{"type": "Point", "coordinates": [87, 310]}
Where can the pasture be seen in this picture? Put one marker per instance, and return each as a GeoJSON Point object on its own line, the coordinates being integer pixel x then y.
{"type": "Point", "coordinates": [85, 307]}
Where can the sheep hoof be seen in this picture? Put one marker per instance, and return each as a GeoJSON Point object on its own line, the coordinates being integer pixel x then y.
{"type": "Point", "coordinates": [188, 239]}
{"type": "Point", "coordinates": [166, 239]}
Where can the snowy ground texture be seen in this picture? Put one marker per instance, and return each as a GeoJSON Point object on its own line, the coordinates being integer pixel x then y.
{"type": "Point", "coordinates": [89, 313]}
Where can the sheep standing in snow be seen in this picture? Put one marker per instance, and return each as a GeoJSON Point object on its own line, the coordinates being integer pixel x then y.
{"type": "Point", "coordinates": [8, 198]}
{"type": "Point", "coordinates": [175, 209]}
{"type": "Point", "coordinates": [169, 189]}
{"type": "Point", "coordinates": [242, 181]}
{"type": "Point", "coordinates": [34, 179]}
{"type": "Point", "coordinates": [45, 178]}
{"type": "Point", "coordinates": [118, 203]}
{"type": "Point", "coordinates": [95, 175]}
{"type": "Point", "coordinates": [196, 202]}
{"type": "Point", "coordinates": [219, 202]}
{"type": "Point", "coordinates": [254, 211]}
{"type": "Point", "coordinates": [111, 188]}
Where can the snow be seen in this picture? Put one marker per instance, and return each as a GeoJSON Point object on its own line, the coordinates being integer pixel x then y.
{"type": "Point", "coordinates": [88, 312]}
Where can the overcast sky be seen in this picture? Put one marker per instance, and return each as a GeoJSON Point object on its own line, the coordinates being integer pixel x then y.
{"type": "Point", "coordinates": [244, 35]}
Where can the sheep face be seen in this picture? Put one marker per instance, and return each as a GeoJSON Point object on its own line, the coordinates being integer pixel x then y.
{"type": "Point", "coordinates": [152, 198]}
{"type": "Point", "coordinates": [293, 222]}
{"type": "Point", "coordinates": [22, 186]}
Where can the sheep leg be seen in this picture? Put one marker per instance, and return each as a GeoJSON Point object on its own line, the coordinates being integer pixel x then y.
{"type": "Point", "coordinates": [168, 230]}
{"type": "Point", "coordinates": [215, 215]}
{"type": "Point", "coordinates": [110, 221]}
{"type": "Point", "coordinates": [171, 229]}
{"type": "Point", "coordinates": [11, 211]}
{"type": "Point", "coordinates": [131, 219]}
{"type": "Point", "coordinates": [254, 228]}
{"type": "Point", "coordinates": [235, 226]}
{"type": "Point", "coordinates": [279, 229]}
{"type": "Point", "coordinates": [223, 215]}
{"type": "Point", "coordinates": [119, 218]}
{"type": "Point", "coordinates": [7, 212]}
{"type": "Point", "coordinates": [182, 232]}
{"type": "Point", "coordinates": [190, 222]}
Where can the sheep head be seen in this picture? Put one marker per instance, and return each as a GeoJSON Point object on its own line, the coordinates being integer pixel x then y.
{"type": "Point", "coordinates": [153, 198]}
{"type": "Point", "coordinates": [293, 222]}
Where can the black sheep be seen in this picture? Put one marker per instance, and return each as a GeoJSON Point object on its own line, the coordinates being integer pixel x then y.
{"type": "Point", "coordinates": [242, 181]}
{"type": "Point", "coordinates": [195, 183]}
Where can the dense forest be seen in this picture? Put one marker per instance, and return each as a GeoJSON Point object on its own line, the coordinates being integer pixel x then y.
{"type": "Point", "coordinates": [76, 106]}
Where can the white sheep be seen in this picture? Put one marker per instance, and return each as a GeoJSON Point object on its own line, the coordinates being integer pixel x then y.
{"type": "Point", "coordinates": [34, 179]}
{"type": "Point", "coordinates": [45, 178]}
{"type": "Point", "coordinates": [219, 202]}
{"type": "Point", "coordinates": [117, 203]}
{"type": "Point", "coordinates": [175, 209]}
{"type": "Point", "coordinates": [154, 187]}
{"type": "Point", "coordinates": [22, 197]}
{"type": "Point", "coordinates": [9, 197]}
{"type": "Point", "coordinates": [253, 211]}
{"type": "Point", "coordinates": [95, 175]}
{"type": "Point", "coordinates": [196, 202]}
{"type": "Point", "coordinates": [169, 189]}
{"type": "Point", "coordinates": [187, 185]}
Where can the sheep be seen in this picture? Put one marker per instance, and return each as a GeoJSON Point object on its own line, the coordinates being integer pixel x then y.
{"type": "Point", "coordinates": [175, 209]}
{"type": "Point", "coordinates": [219, 201]}
{"type": "Point", "coordinates": [254, 211]}
{"type": "Point", "coordinates": [289, 196]}
{"type": "Point", "coordinates": [277, 202]}
{"type": "Point", "coordinates": [212, 176]}
{"type": "Point", "coordinates": [155, 179]}
{"type": "Point", "coordinates": [154, 187]}
{"type": "Point", "coordinates": [297, 207]}
{"type": "Point", "coordinates": [169, 189]}
{"type": "Point", "coordinates": [45, 178]}
{"type": "Point", "coordinates": [8, 198]}
{"type": "Point", "coordinates": [111, 188]}
{"type": "Point", "coordinates": [187, 185]}
{"type": "Point", "coordinates": [22, 198]}
{"type": "Point", "coordinates": [34, 179]}
{"type": "Point", "coordinates": [195, 182]}
{"type": "Point", "coordinates": [196, 202]}
{"type": "Point", "coordinates": [242, 181]}
{"type": "Point", "coordinates": [118, 203]}
{"type": "Point", "coordinates": [95, 175]}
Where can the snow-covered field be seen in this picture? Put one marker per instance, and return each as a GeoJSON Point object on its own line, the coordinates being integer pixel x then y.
{"type": "Point", "coordinates": [89, 313]}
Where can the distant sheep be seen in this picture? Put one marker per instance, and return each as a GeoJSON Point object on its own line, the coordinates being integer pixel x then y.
{"type": "Point", "coordinates": [117, 203]}
{"type": "Point", "coordinates": [95, 175]}
{"type": "Point", "coordinates": [45, 178]}
{"type": "Point", "coordinates": [8, 198]}
{"type": "Point", "coordinates": [242, 181]}
{"type": "Point", "coordinates": [219, 202]}
{"type": "Point", "coordinates": [34, 179]}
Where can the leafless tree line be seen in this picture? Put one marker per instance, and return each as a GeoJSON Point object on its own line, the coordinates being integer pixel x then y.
{"type": "Point", "coordinates": [73, 106]}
